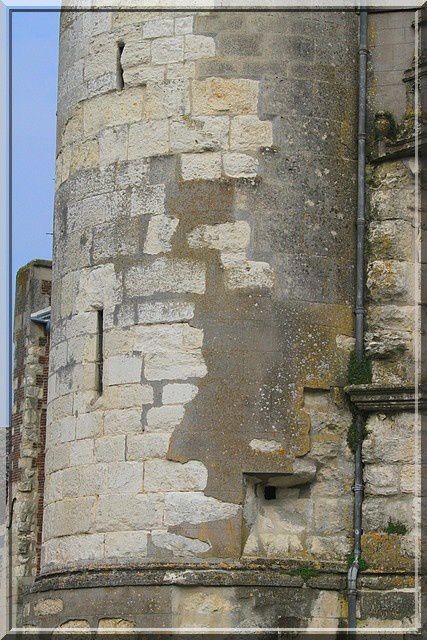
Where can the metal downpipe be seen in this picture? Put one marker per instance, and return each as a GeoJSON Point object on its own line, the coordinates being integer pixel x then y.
{"type": "Point", "coordinates": [359, 309]}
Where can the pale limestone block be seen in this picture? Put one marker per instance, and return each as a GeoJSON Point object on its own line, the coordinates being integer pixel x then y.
{"type": "Point", "coordinates": [329, 547]}
{"type": "Point", "coordinates": [81, 452]}
{"type": "Point", "coordinates": [59, 408]}
{"type": "Point", "coordinates": [174, 366]}
{"type": "Point", "coordinates": [96, 22]}
{"type": "Point", "coordinates": [53, 487]}
{"type": "Point", "coordinates": [57, 457]}
{"type": "Point", "coordinates": [68, 517]}
{"type": "Point", "coordinates": [196, 47]}
{"type": "Point", "coordinates": [154, 312]}
{"type": "Point", "coordinates": [126, 543]}
{"type": "Point", "coordinates": [124, 477]}
{"type": "Point", "coordinates": [119, 341]}
{"type": "Point", "coordinates": [122, 421]}
{"type": "Point", "coordinates": [58, 356]}
{"type": "Point", "coordinates": [122, 369]}
{"type": "Point", "coordinates": [381, 479]}
{"type": "Point", "coordinates": [165, 475]}
{"type": "Point", "coordinates": [239, 165]}
{"type": "Point", "coordinates": [164, 418]}
{"type": "Point", "coordinates": [88, 212]}
{"type": "Point", "coordinates": [407, 478]}
{"type": "Point", "coordinates": [165, 275]}
{"type": "Point", "coordinates": [132, 174]}
{"type": "Point", "coordinates": [201, 166]}
{"type": "Point", "coordinates": [92, 479]}
{"type": "Point", "coordinates": [142, 74]}
{"type": "Point", "coordinates": [67, 549]}
{"type": "Point", "coordinates": [136, 513]}
{"type": "Point", "coordinates": [159, 234]}
{"type": "Point", "coordinates": [69, 288]}
{"type": "Point", "coordinates": [326, 611]}
{"type": "Point", "coordinates": [237, 96]}
{"type": "Point", "coordinates": [75, 623]}
{"type": "Point", "coordinates": [71, 481]}
{"type": "Point", "coordinates": [180, 70]}
{"type": "Point", "coordinates": [184, 25]}
{"type": "Point", "coordinates": [167, 338]}
{"type": "Point", "coordinates": [89, 425]}
{"type": "Point", "coordinates": [113, 145]}
{"type": "Point", "coordinates": [158, 28]}
{"type": "Point", "coordinates": [331, 515]}
{"type": "Point", "coordinates": [99, 288]}
{"type": "Point", "coordinates": [135, 53]}
{"type": "Point", "coordinates": [148, 139]}
{"type": "Point", "coordinates": [82, 349]}
{"type": "Point", "coordinates": [101, 85]}
{"type": "Point", "coordinates": [165, 50]}
{"type": "Point", "coordinates": [390, 280]}
{"type": "Point", "coordinates": [179, 393]}
{"type": "Point", "coordinates": [101, 62]}
{"type": "Point", "coordinates": [249, 275]}
{"type": "Point", "coordinates": [265, 446]}
{"type": "Point", "coordinates": [390, 439]}
{"type": "Point", "coordinates": [115, 623]}
{"type": "Point", "coordinates": [230, 237]}
{"type": "Point", "coordinates": [167, 99]}
{"type": "Point", "coordinates": [125, 395]}
{"type": "Point", "coordinates": [62, 431]}
{"type": "Point", "coordinates": [195, 508]}
{"type": "Point", "coordinates": [113, 109]}
{"type": "Point", "coordinates": [148, 201]}
{"type": "Point", "coordinates": [249, 132]}
{"type": "Point", "coordinates": [81, 323]}
{"type": "Point", "coordinates": [145, 446]}
{"type": "Point", "coordinates": [179, 546]}
{"type": "Point", "coordinates": [48, 606]}
{"type": "Point", "coordinates": [204, 133]}
{"type": "Point", "coordinates": [110, 449]}
{"type": "Point", "coordinates": [73, 129]}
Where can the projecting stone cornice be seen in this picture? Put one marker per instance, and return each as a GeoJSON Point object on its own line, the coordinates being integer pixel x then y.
{"type": "Point", "coordinates": [386, 399]}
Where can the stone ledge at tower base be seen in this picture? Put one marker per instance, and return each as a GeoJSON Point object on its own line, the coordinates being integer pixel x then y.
{"type": "Point", "coordinates": [223, 595]}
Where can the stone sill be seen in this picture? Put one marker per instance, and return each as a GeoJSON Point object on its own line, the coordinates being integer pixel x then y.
{"type": "Point", "coordinates": [400, 149]}
{"type": "Point", "coordinates": [250, 573]}
{"type": "Point", "coordinates": [386, 399]}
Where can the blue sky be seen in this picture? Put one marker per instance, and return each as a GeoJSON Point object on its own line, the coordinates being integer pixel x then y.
{"type": "Point", "coordinates": [34, 88]}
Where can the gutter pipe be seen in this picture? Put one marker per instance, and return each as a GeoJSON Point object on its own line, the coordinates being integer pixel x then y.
{"type": "Point", "coordinates": [359, 310]}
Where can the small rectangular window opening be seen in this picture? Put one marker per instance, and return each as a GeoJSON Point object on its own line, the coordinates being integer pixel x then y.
{"type": "Point", "coordinates": [100, 351]}
{"type": "Point", "coordinates": [269, 492]}
{"type": "Point", "coordinates": [120, 80]}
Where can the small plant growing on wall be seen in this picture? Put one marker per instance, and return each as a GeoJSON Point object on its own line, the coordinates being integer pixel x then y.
{"type": "Point", "coordinates": [397, 527]}
{"type": "Point", "coordinates": [363, 565]}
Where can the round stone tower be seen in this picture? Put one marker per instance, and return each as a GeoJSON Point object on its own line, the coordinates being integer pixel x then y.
{"type": "Point", "coordinates": [201, 318]}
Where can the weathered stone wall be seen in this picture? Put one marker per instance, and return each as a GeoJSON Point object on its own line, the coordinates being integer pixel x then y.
{"type": "Point", "coordinates": [206, 203]}
{"type": "Point", "coordinates": [207, 207]}
{"type": "Point", "coordinates": [391, 450]}
{"type": "Point", "coordinates": [27, 432]}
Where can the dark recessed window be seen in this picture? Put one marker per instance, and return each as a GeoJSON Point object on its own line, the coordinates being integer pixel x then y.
{"type": "Point", "coordinates": [269, 492]}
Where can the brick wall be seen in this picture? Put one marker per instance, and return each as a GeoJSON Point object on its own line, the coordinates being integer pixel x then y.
{"type": "Point", "coordinates": [28, 424]}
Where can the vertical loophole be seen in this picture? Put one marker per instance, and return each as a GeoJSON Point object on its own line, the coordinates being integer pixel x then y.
{"type": "Point", "coordinates": [120, 81]}
{"type": "Point", "coordinates": [100, 351]}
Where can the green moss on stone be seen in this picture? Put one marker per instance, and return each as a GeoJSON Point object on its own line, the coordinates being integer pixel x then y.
{"type": "Point", "coordinates": [353, 437]}
{"type": "Point", "coordinates": [359, 370]}
{"type": "Point", "coordinates": [307, 571]}
{"type": "Point", "coordinates": [394, 526]}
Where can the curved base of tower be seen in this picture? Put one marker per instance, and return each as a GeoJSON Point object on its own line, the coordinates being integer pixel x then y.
{"type": "Point", "coordinates": [220, 596]}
